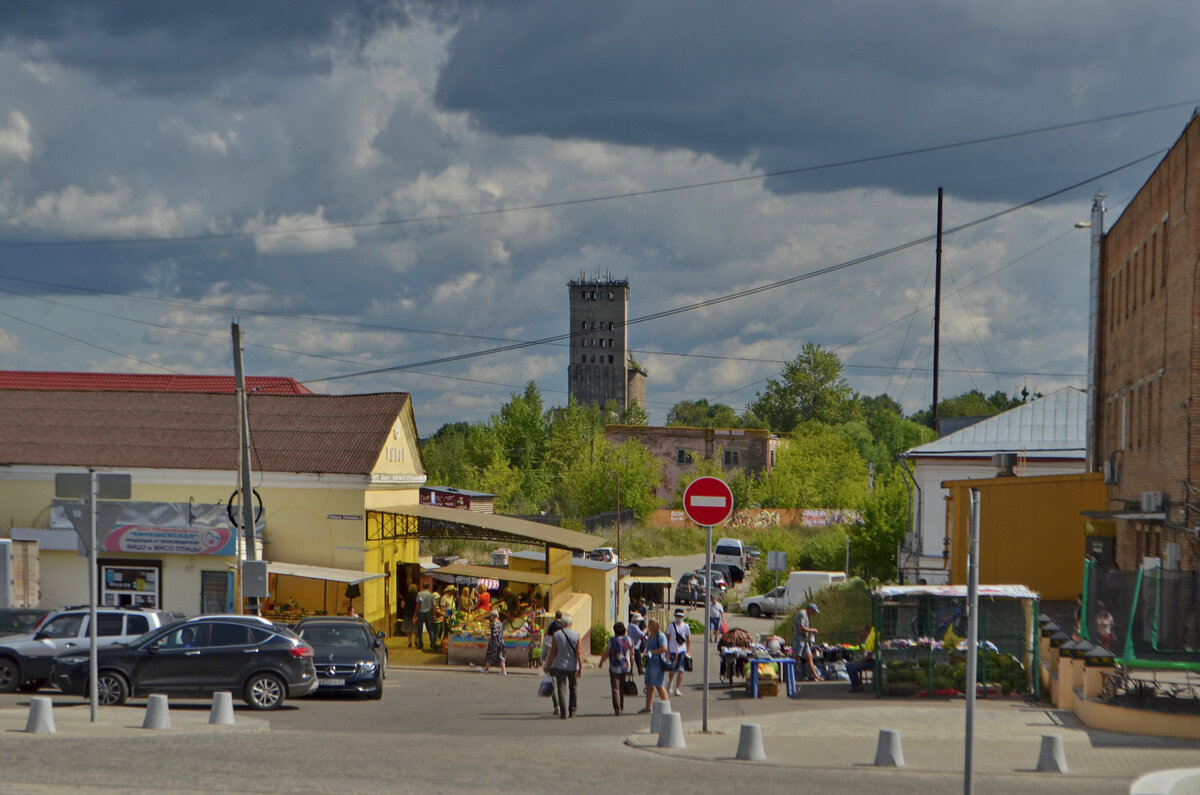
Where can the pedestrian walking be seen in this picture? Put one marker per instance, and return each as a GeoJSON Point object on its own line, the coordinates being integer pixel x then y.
{"type": "Point", "coordinates": [547, 645]}
{"type": "Point", "coordinates": [637, 641]}
{"type": "Point", "coordinates": [495, 648]}
{"type": "Point", "coordinates": [566, 665]}
{"type": "Point", "coordinates": [679, 645]}
{"type": "Point", "coordinates": [803, 638]}
{"type": "Point", "coordinates": [716, 615]}
{"type": "Point", "coordinates": [656, 664]}
{"type": "Point", "coordinates": [408, 611]}
{"type": "Point", "coordinates": [425, 600]}
{"type": "Point", "coordinates": [617, 654]}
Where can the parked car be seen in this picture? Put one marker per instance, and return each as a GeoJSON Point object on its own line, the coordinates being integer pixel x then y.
{"type": "Point", "coordinates": [733, 574]}
{"type": "Point", "coordinates": [603, 554]}
{"type": "Point", "coordinates": [263, 662]}
{"type": "Point", "coordinates": [350, 657]}
{"type": "Point", "coordinates": [799, 588]}
{"type": "Point", "coordinates": [25, 659]}
{"type": "Point", "coordinates": [21, 620]}
{"type": "Point", "coordinates": [770, 603]}
{"type": "Point", "coordinates": [718, 579]}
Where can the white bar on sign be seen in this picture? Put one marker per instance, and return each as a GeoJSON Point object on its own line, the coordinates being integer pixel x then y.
{"type": "Point", "coordinates": [708, 502]}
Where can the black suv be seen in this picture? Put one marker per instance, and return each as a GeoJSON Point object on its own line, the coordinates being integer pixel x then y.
{"type": "Point", "coordinates": [349, 655]}
{"type": "Point", "coordinates": [246, 655]}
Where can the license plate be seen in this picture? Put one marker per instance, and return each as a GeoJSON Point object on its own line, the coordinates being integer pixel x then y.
{"type": "Point", "coordinates": [330, 682]}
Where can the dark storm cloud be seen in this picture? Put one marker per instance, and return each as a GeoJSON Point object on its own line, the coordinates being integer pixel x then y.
{"type": "Point", "coordinates": [168, 48]}
{"type": "Point", "coordinates": [793, 84]}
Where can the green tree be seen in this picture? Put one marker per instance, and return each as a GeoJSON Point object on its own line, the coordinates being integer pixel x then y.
{"type": "Point", "coordinates": [809, 388]}
{"type": "Point", "coordinates": [589, 485]}
{"type": "Point", "coordinates": [702, 414]}
{"type": "Point", "coordinates": [817, 468]}
{"type": "Point", "coordinates": [972, 403]}
{"type": "Point", "coordinates": [633, 414]}
{"type": "Point", "coordinates": [885, 520]}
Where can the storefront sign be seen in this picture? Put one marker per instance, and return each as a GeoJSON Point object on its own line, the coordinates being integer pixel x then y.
{"type": "Point", "coordinates": [172, 528]}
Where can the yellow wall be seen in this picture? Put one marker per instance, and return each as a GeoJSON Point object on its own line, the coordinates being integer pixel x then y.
{"type": "Point", "coordinates": [598, 584]}
{"type": "Point", "coordinates": [1030, 530]}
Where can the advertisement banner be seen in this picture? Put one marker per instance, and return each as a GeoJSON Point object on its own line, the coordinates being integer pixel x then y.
{"type": "Point", "coordinates": [164, 528]}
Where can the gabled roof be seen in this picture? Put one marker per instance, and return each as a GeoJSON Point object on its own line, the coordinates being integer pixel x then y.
{"type": "Point", "coordinates": [332, 434]}
{"type": "Point", "coordinates": [148, 382]}
{"type": "Point", "coordinates": [1054, 426]}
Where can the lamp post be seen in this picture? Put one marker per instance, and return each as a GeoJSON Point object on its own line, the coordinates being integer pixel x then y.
{"type": "Point", "coordinates": [617, 475]}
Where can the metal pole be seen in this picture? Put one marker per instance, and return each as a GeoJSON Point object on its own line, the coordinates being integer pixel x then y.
{"type": "Point", "coordinates": [707, 616]}
{"type": "Point", "coordinates": [1097, 225]}
{"type": "Point", "coordinates": [93, 661]}
{"type": "Point", "coordinates": [937, 314]}
{"type": "Point", "coordinates": [618, 474]}
{"type": "Point", "coordinates": [245, 485]}
{"type": "Point", "coordinates": [847, 555]}
{"type": "Point", "coordinates": [972, 645]}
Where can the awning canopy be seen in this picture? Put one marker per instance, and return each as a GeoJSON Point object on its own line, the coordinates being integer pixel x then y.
{"type": "Point", "coordinates": [496, 573]}
{"type": "Point", "coordinates": [434, 521]}
{"type": "Point", "coordinates": [651, 579]}
{"type": "Point", "coordinates": [348, 576]}
{"type": "Point", "coordinates": [956, 591]}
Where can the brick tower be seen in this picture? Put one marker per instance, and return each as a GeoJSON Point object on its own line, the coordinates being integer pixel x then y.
{"type": "Point", "coordinates": [599, 371]}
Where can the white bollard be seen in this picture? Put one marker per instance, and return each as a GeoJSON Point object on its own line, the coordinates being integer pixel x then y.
{"type": "Point", "coordinates": [222, 709]}
{"type": "Point", "coordinates": [889, 753]}
{"type": "Point", "coordinates": [158, 715]}
{"type": "Point", "coordinates": [1051, 759]}
{"type": "Point", "coordinates": [750, 745]}
{"type": "Point", "coordinates": [657, 710]}
{"type": "Point", "coordinates": [670, 734]}
{"type": "Point", "coordinates": [41, 716]}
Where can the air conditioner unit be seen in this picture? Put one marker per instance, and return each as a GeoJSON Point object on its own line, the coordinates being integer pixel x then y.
{"type": "Point", "coordinates": [1112, 472]}
{"type": "Point", "coordinates": [1152, 501]}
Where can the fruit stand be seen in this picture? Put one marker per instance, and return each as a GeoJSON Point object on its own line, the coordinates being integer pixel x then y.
{"type": "Point", "coordinates": [922, 649]}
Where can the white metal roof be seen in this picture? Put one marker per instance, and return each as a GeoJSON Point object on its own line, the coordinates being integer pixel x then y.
{"type": "Point", "coordinates": [1054, 426]}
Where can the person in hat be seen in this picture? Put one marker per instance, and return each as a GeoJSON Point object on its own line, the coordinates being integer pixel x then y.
{"type": "Point", "coordinates": [803, 637]}
{"type": "Point", "coordinates": [679, 644]}
{"type": "Point", "coordinates": [449, 603]}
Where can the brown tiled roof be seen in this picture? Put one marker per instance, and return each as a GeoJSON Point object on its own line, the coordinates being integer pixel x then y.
{"type": "Point", "coordinates": [334, 434]}
{"type": "Point", "coordinates": [148, 382]}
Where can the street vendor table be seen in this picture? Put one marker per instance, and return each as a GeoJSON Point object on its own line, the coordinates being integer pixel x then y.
{"type": "Point", "coordinates": [787, 670]}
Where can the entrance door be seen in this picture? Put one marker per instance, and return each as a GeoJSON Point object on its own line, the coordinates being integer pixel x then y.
{"type": "Point", "coordinates": [214, 592]}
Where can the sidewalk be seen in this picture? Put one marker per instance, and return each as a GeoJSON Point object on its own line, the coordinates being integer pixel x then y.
{"type": "Point", "coordinates": [836, 735]}
{"type": "Point", "coordinates": [73, 719]}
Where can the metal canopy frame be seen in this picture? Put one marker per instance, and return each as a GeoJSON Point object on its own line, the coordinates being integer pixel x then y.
{"type": "Point", "coordinates": [423, 521]}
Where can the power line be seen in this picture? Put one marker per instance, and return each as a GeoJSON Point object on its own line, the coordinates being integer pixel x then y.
{"type": "Point", "coordinates": [590, 199]}
{"type": "Point", "coordinates": [753, 290]}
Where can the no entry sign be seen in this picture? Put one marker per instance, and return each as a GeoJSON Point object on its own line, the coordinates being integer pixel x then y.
{"type": "Point", "coordinates": [708, 501]}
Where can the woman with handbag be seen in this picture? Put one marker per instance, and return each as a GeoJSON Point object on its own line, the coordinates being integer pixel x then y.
{"type": "Point", "coordinates": [656, 664]}
{"type": "Point", "coordinates": [617, 653]}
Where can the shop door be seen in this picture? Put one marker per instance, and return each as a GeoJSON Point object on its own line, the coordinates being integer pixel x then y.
{"type": "Point", "coordinates": [214, 592]}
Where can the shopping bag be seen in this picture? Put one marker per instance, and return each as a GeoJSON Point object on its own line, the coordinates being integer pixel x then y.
{"type": "Point", "coordinates": [629, 687]}
{"type": "Point", "coordinates": [546, 686]}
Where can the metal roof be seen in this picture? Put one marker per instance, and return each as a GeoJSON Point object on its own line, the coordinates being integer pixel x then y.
{"type": "Point", "coordinates": [438, 522]}
{"type": "Point", "coordinates": [348, 576]}
{"type": "Point", "coordinates": [148, 382]}
{"type": "Point", "coordinates": [497, 573]}
{"type": "Point", "coordinates": [1054, 426]}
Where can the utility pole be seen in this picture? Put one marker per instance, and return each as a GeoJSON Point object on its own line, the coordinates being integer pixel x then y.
{"type": "Point", "coordinates": [937, 313]}
{"type": "Point", "coordinates": [1093, 398]}
{"type": "Point", "coordinates": [245, 486]}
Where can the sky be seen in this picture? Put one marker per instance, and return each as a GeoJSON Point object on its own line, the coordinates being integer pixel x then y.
{"type": "Point", "coordinates": [367, 188]}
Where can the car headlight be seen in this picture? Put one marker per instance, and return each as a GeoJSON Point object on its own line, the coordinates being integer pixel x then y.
{"type": "Point", "coordinates": [75, 659]}
{"type": "Point", "coordinates": [366, 667]}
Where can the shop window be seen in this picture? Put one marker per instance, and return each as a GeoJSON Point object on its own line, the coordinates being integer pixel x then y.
{"type": "Point", "coordinates": [732, 458]}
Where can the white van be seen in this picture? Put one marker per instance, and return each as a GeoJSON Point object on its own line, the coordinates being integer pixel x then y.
{"type": "Point", "coordinates": [798, 590]}
{"type": "Point", "coordinates": [731, 551]}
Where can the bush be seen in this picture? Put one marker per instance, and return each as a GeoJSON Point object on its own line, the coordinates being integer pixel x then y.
{"type": "Point", "coordinates": [600, 638]}
{"type": "Point", "coordinates": [844, 607]}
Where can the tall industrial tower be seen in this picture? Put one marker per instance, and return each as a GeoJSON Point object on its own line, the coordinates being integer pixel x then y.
{"type": "Point", "coordinates": [599, 369]}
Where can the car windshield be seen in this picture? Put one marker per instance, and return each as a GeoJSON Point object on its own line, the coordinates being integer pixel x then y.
{"type": "Point", "coordinates": [330, 636]}
{"type": "Point", "coordinates": [19, 622]}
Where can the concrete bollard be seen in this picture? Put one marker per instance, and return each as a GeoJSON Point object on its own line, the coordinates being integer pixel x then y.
{"type": "Point", "coordinates": [1051, 759]}
{"type": "Point", "coordinates": [222, 709]}
{"type": "Point", "coordinates": [750, 745]}
{"type": "Point", "coordinates": [41, 716]}
{"type": "Point", "coordinates": [889, 753]}
{"type": "Point", "coordinates": [670, 734]}
{"type": "Point", "coordinates": [158, 715]}
{"type": "Point", "coordinates": [657, 710]}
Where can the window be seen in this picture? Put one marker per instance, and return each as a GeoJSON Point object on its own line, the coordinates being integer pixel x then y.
{"type": "Point", "coordinates": [732, 458]}
{"type": "Point", "coordinates": [63, 627]}
{"type": "Point", "coordinates": [109, 624]}
{"type": "Point", "coordinates": [683, 456]}
{"type": "Point", "coordinates": [610, 325]}
{"type": "Point", "coordinates": [610, 295]}
{"type": "Point", "coordinates": [138, 625]}
{"type": "Point", "coordinates": [230, 635]}
{"type": "Point", "coordinates": [1163, 270]}
{"type": "Point", "coordinates": [593, 358]}
{"type": "Point", "coordinates": [583, 326]}
{"type": "Point", "coordinates": [583, 359]}
{"type": "Point", "coordinates": [610, 342]}
{"type": "Point", "coordinates": [610, 359]}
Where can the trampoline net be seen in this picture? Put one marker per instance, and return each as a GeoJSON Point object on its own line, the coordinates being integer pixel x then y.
{"type": "Point", "coordinates": [1143, 616]}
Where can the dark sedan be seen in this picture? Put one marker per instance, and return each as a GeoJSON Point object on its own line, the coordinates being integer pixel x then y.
{"type": "Point", "coordinates": [348, 654]}
{"type": "Point", "coordinates": [248, 656]}
{"type": "Point", "coordinates": [19, 620]}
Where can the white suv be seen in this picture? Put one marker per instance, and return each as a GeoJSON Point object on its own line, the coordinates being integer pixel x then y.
{"type": "Point", "coordinates": [25, 659]}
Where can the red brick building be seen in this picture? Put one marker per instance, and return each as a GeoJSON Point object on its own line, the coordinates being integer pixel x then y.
{"type": "Point", "coordinates": [1147, 435]}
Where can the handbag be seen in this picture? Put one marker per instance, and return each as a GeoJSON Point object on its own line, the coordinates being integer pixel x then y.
{"type": "Point", "coordinates": [546, 686]}
{"type": "Point", "coordinates": [629, 687]}
{"type": "Point", "coordinates": [687, 662]}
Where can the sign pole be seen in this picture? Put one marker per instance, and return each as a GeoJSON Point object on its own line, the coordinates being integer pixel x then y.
{"type": "Point", "coordinates": [972, 644]}
{"type": "Point", "coordinates": [707, 619]}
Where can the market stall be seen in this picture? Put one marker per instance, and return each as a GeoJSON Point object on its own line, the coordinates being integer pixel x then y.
{"type": "Point", "coordinates": [922, 647]}
{"type": "Point", "coordinates": [469, 632]}
{"type": "Point", "coordinates": [299, 590]}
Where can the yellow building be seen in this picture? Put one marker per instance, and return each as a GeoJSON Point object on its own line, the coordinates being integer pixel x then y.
{"type": "Point", "coordinates": [1031, 530]}
{"type": "Point", "coordinates": [596, 579]}
{"type": "Point", "coordinates": [319, 465]}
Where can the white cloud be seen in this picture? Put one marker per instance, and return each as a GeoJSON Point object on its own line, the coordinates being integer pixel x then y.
{"type": "Point", "coordinates": [301, 233]}
{"type": "Point", "coordinates": [118, 212]}
{"type": "Point", "coordinates": [14, 139]}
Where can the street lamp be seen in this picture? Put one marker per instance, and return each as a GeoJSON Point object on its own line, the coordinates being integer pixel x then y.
{"type": "Point", "coordinates": [617, 475]}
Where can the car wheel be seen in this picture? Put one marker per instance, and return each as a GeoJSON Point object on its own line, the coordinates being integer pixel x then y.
{"type": "Point", "coordinates": [10, 675]}
{"type": "Point", "coordinates": [265, 691]}
{"type": "Point", "coordinates": [111, 689]}
{"type": "Point", "coordinates": [385, 665]}
{"type": "Point", "coordinates": [377, 693]}
{"type": "Point", "coordinates": [32, 686]}
{"type": "Point", "coordinates": [755, 611]}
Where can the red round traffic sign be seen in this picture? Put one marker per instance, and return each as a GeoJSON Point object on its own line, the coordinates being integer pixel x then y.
{"type": "Point", "coordinates": [708, 501]}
